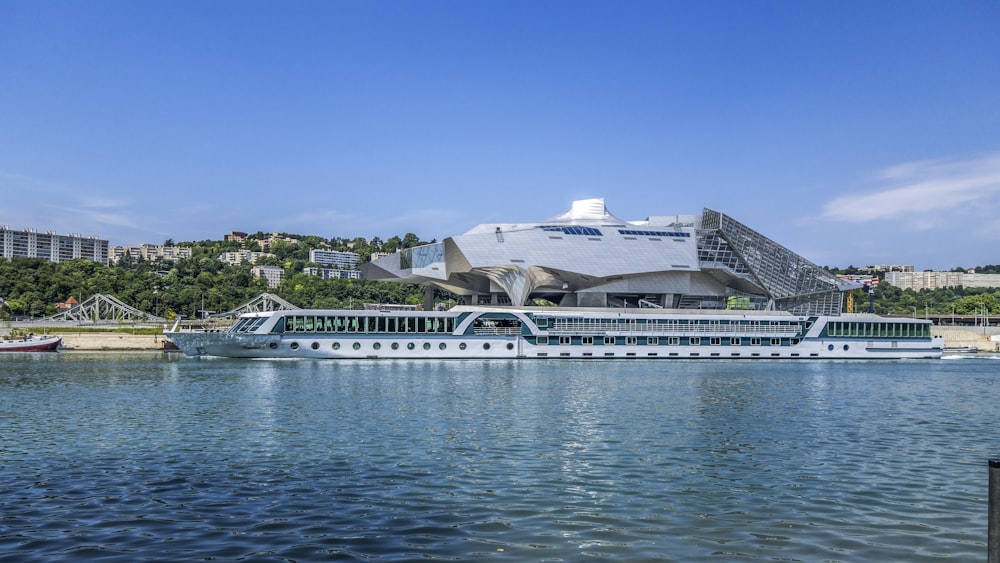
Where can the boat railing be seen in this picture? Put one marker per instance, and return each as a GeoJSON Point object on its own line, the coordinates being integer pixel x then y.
{"type": "Point", "coordinates": [497, 330]}
{"type": "Point", "coordinates": [639, 329]}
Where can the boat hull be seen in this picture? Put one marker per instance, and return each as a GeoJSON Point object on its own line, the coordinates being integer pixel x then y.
{"type": "Point", "coordinates": [50, 344]}
{"type": "Point", "coordinates": [557, 333]}
{"type": "Point", "coordinates": [516, 347]}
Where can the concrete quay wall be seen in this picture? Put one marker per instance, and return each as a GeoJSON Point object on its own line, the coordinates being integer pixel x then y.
{"type": "Point", "coordinates": [967, 336]}
{"type": "Point", "coordinates": [88, 341]}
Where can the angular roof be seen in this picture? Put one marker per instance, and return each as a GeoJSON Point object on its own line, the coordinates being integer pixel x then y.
{"type": "Point", "coordinates": [587, 250]}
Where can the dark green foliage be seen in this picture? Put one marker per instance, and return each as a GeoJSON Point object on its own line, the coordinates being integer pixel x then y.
{"type": "Point", "coordinates": [32, 287]}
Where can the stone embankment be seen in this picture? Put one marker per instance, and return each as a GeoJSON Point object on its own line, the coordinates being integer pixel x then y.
{"type": "Point", "coordinates": [962, 337]}
{"type": "Point", "coordinates": [90, 341]}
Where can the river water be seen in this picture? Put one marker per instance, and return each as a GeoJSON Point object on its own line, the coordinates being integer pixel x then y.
{"type": "Point", "coordinates": [133, 457]}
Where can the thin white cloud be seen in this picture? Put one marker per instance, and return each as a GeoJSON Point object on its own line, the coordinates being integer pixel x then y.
{"type": "Point", "coordinates": [918, 190]}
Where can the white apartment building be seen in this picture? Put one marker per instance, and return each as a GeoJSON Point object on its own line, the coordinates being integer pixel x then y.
{"type": "Point", "coordinates": [333, 273]}
{"type": "Point", "coordinates": [29, 243]}
{"type": "Point", "coordinates": [934, 280]}
{"type": "Point", "coordinates": [335, 258]}
{"type": "Point", "coordinates": [239, 257]}
{"type": "Point", "coordinates": [151, 252]}
{"type": "Point", "coordinates": [273, 274]}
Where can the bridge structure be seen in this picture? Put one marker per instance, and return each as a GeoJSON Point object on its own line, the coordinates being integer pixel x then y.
{"type": "Point", "coordinates": [262, 303]}
{"type": "Point", "coordinates": [101, 308]}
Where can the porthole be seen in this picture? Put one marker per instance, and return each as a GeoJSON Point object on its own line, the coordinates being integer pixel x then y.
{"type": "Point", "coordinates": [295, 346]}
{"type": "Point", "coordinates": [830, 347]}
{"type": "Point", "coordinates": [846, 347]}
{"type": "Point", "coordinates": [427, 345]}
{"type": "Point", "coordinates": [272, 345]}
{"type": "Point", "coordinates": [356, 346]}
{"type": "Point", "coordinates": [442, 346]}
{"type": "Point", "coordinates": [336, 345]}
{"type": "Point", "coordinates": [486, 346]}
{"type": "Point", "coordinates": [376, 346]}
{"type": "Point", "coordinates": [395, 345]}
{"type": "Point", "coordinates": [410, 346]}
{"type": "Point", "coordinates": [461, 346]}
{"type": "Point", "coordinates": [510, 345]}
{"type": "Point", "coordinates": [315, 346]}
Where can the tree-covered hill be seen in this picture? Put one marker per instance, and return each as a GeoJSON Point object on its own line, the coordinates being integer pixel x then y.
{"type": "Point", "coordinates": [33, 287]}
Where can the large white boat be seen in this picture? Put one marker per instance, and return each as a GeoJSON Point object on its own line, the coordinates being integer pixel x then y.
{"type": "Point", "coordinates": [479, 332]}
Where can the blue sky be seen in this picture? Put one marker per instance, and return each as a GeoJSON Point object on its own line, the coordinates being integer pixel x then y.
{"type": "Point", "coordinates": [852, 132]}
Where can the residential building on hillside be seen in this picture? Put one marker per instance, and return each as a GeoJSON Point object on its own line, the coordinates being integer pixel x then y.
{"type": "Point", "coordinates": [242, 256]}
{"type": "Point", "coordinates": [151, 252]}
{"type": "Point", "coordinates": [29, 243]}
{"type": "Point", "coordinates": [335, 258]}
{"type": "Point", "coordinates": [265, 243]}
{"type": "Point", "coordinates": [934, 280]}
{"type": "Point", "coordinates": [333, 273]}
{"type": "Point", "coordinates": [888, 268]}
{"type": "Point", "coordinates": [273, 274]}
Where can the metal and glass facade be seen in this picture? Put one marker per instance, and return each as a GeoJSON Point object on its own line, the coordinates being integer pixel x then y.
{"type": "Point", "coordinates": [587, 257]}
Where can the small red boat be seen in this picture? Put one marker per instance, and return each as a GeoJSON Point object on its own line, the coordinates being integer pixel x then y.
{"type": "Point", "coordinates": [31, 344]}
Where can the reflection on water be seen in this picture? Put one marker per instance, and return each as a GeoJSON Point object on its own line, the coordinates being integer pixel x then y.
{"type": "Point", "coordinates": [124, 457]}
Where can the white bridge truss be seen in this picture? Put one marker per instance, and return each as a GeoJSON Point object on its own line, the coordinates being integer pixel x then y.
{"type": "Point", "coordinates": [262, 303]}
{"type": "Point", "coordinates": [104, 308]}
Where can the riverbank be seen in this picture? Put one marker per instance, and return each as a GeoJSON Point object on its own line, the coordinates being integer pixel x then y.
{"type": "Point", "coordinates": [97, 341]}
{"type": "Point", "coordinates": [964, 337]}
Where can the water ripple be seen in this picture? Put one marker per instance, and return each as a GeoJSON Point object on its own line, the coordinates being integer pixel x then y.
{"type": "Point", "coordinates": [145, 458]}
